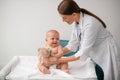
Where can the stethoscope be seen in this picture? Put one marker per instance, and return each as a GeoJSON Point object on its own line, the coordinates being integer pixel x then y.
{"type": "Point", "coordinates": [78, 27]}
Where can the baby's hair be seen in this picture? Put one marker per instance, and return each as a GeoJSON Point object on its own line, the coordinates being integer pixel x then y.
{"type": "Point", "coordinates": [68, 0]}
{"type": "Point", "coordinates": [52, 31]}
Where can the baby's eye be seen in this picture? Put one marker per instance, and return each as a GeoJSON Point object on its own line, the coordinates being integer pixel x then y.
{"type": "Point", "coordinates": [57, 39]}
{"type": "Point", "coordinates": [52, 38]}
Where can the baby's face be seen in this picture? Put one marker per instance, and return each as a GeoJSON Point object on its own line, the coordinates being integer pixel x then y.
{"type": "Point", "coordinates": [53, 39]}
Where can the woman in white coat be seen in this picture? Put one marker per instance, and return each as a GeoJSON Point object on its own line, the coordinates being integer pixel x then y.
{"type": "Point", "coordinates": [90, 35]}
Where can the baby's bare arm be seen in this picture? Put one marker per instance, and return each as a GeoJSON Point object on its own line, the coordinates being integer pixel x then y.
{"type": "Point", "coordinates": [43, 69]}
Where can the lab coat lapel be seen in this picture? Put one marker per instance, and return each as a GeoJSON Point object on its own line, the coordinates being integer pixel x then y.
{"type": "Point", "coordinates": [79, 27]}
{"type": "Point", "coordinates": [77, 31]}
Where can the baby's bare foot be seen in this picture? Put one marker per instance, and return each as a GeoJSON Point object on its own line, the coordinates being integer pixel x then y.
{"type": "Point", "coordinates": [67, 71]}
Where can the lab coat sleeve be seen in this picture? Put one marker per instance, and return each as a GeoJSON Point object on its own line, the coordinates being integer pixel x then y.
{"type": "Point", "coordinates": [73, 42]}
{"type": "Point", "coordinates": [89, 35]}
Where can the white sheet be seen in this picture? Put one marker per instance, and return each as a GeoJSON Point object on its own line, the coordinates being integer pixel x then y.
{"type": "Point", "coordinates": [26, 69]}
{"type": "Point", "coordinates": [6, 70]}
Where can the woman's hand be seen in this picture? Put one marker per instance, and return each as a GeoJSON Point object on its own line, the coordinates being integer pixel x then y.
{"type": "Point", "coordinates": [51, 61]}
{"type": "Point", "coordinates": [68, 59]}
{"type": "Point", "coordinates": [60, 52]}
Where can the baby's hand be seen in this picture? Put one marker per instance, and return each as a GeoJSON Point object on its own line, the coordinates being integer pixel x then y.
{"type": "Point", "coordinates": [43, 69]}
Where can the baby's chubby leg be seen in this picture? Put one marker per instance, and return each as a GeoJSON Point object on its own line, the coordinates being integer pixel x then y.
{"type": "Point", "coordinates": [63, 67]}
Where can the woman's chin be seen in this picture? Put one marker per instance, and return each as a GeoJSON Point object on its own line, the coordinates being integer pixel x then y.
{"type": "Point", "coordinates": [69, 23]}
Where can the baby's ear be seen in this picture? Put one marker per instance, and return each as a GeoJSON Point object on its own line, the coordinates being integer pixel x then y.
{"type": "Point", "coordinates": [39, 49]}
{"type": "Point", "coordinates": [45, 39]}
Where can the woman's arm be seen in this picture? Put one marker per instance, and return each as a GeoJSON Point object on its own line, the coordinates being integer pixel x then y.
{"type": "Point", "coordinates": [68, 59]}
{"type": "Point", "coordinates": [62, 51]}
{"type": "Point", "coordinates": [65, 50]}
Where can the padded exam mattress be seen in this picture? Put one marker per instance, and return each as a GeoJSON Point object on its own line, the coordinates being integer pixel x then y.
{"type": "Point", "coordinates": [25, 68]}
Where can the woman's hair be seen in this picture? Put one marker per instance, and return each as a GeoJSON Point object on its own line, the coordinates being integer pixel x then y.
{"type": "Point", "coordinates": [67, 7]}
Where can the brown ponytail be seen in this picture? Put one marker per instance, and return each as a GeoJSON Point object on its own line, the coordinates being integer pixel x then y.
{"type": "Point", "coordinates": [84, 11]}
{"type": "Point", "coordinates": [67, 7]}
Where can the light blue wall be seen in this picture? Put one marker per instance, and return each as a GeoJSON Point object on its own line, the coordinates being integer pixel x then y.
{"type": "Point", "coordinates": [23, 23]}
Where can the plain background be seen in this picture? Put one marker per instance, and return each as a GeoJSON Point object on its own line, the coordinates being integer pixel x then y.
{"type": "Point", "coordinates": [24, 23]}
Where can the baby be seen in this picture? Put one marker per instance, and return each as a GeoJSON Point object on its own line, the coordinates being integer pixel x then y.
{"type": "Point", "coordinates": [45, 55]}
{"type": "Point", "coordinates": [49, 51]}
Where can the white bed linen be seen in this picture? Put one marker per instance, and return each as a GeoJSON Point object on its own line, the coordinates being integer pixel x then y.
{"type": "Point", "coordinates": [26, 69]}
{"type": "Point", "coordinates": [7, 69]}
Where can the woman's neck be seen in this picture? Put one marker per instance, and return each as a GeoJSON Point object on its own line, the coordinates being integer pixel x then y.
{"type": "Point", "coordinates": [77, 18]}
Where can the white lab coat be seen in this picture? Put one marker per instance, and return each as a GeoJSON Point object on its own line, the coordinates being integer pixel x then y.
{"type": "Point", "coordinates": [96, 42]}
